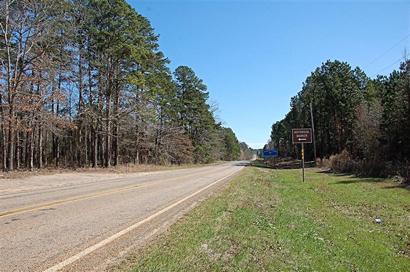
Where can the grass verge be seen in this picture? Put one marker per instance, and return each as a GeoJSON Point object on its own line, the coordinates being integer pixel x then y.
{"type": "Point", "coordinates": [268, 220]}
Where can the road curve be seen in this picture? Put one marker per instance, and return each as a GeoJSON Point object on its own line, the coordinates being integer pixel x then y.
{"type": "Point", "coordinates": [88, 224]}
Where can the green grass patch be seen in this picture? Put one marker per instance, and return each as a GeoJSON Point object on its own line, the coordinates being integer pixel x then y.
{"type": "Point", "coordinates": [268, 220]}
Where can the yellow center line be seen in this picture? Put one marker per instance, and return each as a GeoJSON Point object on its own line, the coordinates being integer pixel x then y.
{"type": "Point", "coordinates": [82, 197]}
{"type": "Point", "coordinates": [64, 201]}
{"type": "Point", "coordinates": [117, 235]}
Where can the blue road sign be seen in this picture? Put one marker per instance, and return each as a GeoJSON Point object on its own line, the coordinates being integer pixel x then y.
{"type": "Point", "coordinates": [270, 153]}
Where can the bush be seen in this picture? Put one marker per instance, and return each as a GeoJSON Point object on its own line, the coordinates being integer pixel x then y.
{"type": "Point", "coordinates": [323, 163]}
{"type": "Point", "coordinates": [370, 167]}
{"type": "Point", "coordinates": [342, 163]}
{"type": "Point", "coordinates": [403, 170]}
{"type": "Point", "coordinates": [374, 167]}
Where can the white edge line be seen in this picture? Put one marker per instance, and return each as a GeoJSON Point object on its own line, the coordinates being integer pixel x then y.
{"type": "Point", "coordinates": [130, 228]}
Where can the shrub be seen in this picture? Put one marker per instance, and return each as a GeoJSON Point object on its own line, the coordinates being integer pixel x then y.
{"type": "Point", "coordinates": [373, 167]}
{"type": "Point", "coordinates": [370, 167]}
{"type": "Point", "coordinates": [403, 170]}
{"type": "Point", "coordinates": [324, 163]}
{"type": "Point", "coordinates": [342, 163]}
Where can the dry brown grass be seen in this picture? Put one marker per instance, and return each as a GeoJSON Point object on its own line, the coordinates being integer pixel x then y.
{"type": "Point", "coordinates": [120, 169]}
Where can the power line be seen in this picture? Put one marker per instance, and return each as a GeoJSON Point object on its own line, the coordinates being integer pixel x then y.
{"type": "Point", "coordinates": [395, 62]}
{"type": "Point", "coordinates": [388, 50]}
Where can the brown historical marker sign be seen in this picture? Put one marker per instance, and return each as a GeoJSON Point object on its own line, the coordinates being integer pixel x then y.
{"type": "Point", "coordinates": [302, 135]}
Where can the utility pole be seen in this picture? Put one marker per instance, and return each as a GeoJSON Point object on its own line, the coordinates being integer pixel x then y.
{"type": "Point", "coordinates": [313, 131]}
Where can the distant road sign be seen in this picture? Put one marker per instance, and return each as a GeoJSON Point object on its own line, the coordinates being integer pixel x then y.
{"type": "Point", "coordinates": [272, 153]}
{"type": "Point", "coordinates": [302, 135]}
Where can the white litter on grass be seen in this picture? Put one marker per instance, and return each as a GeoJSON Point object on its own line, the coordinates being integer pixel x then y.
{"type": "Point", "coordinates": [377, 220]}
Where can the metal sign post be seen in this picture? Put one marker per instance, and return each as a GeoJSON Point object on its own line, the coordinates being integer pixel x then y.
{"type": "Point", "coordinates": [303, 163]}
{"type": "Point", "coordinates": [302, 136]}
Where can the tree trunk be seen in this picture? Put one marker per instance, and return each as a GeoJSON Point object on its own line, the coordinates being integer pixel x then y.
{"type": "Point", "coordinates": [31, 149]}
{"type": "Point", "coordinates": [117, 128]}
{"type": "Point", "coordinates": [108, 131]}
{"type": "Point", "coordinates": [86, 147]}
{"type": "Point", "coordinates": [9, 88]}
{"type": "Point", "coordinates": [58, 114]}
{"type": "Point", "coordinates": [10, 146]}
{"type": "Point", "coordinates": [40, 148]}
{"type": "Point", "coordinates": [18, 153]}
{"type": "Point", "coordinates": [99, 144]}
{"type": "Point", "coordinates": [95, 147]}
{"type": "Point", "coordinates": [3, 136]}
{"type": "Point", "coordinates": [80, 137]}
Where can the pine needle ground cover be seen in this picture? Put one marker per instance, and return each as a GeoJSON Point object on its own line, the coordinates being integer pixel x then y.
{"type": "Point", "coordinates": [268, 220]}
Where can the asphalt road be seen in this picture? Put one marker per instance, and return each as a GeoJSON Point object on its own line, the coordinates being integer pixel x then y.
{"type": "Point", "coordinates": [89, 223]}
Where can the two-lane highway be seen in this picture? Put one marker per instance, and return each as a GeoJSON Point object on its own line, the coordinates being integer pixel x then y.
{"type": "Point", "coordinates": [84, 225]}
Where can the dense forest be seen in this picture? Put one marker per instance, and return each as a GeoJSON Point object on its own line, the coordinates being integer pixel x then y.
{"type": "Point", "coordinates": [361, 124]}
{"type": "Point", "coordinates": [83, 83]}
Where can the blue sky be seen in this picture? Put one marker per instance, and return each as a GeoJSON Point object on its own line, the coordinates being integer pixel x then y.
{"type": "Point", "coordinates": [254, 55]}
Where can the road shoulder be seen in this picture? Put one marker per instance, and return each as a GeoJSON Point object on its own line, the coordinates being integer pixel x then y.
{"type": "Point", "coordinates": [268, 220]}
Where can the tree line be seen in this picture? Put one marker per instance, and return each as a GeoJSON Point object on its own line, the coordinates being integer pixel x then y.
{"type": "Point", "coordinates": [366, 121]}
{"type": "Point", "coordinates": [83, 83]}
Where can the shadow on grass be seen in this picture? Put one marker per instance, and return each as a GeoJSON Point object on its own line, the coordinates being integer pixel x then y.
{"type": "Point", "coordinates": [342, 174]}
{"type": "Point", "coordinates": [356, 180]}
{"type": "Point", "coordinates": [359, 180]}
{"type": "Point", "coordinates": [282, 165]}
{"type": "Point", "coordinates": [405, 186]}
{"type": "Point", "coordinates": [325, 171]}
